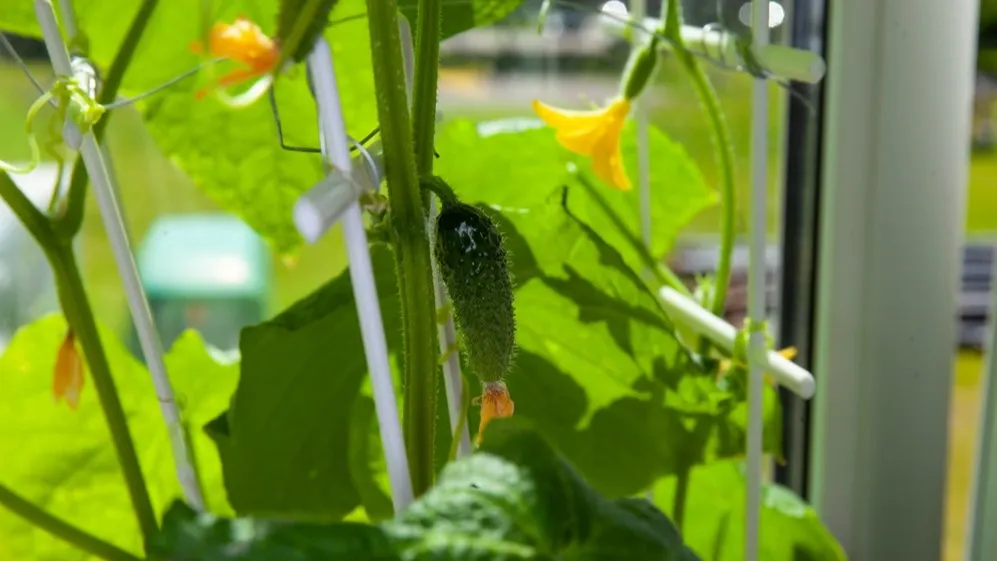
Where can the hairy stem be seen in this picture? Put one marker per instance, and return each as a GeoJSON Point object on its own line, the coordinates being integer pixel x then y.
{"type": "Point", "coordinates": [410, 241]}
{"type": "Point", "coordinates": [79, 315]}
{"type": "Point", "coordinates": [723, 151]}
{"type": "Point", "coordinates": [424, 87]}
{"type": "Point", "coordinates": [61, 529]}
{"type": "Point", "coordinates": [70, 223]}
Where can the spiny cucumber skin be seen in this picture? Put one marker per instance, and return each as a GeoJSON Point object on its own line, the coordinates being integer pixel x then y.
{"type": "Point", "coordinates": [474, 267]}
{"type": "Point", "coordinates": [288, 13]}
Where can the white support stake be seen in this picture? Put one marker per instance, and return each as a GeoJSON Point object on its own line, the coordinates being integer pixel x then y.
{"type": "Point", "coordinates": [453, 381]}
{"type": "Point", "coordinates": [756, 286]}
{"type": "Point", "coordinates": [117, 236]}
{"type": "Point", "coordinates": [685, 311]}
{"type": "Point", "coordinates": [643, 142]}
{"type": "Point", "coordinates": [335, 149]}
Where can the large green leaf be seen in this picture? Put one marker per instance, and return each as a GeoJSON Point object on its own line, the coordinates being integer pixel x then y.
{"type": "Point", "coordinates": [598, 370]}
{"type": "Point", "coordinates": [461, 15]}
{"type": "Point", "coordinates": [232, 155]}
{"type": "Point", "coordinates": [285, 443]}
{"type": "Point", "coordinates": [515, 499]}
{"type": "Point", "coordinates": [64, 460]}
{"type": "Point", "coordinates": [714, 518]}
{"type": "Point", "coordinates": [524, 164]}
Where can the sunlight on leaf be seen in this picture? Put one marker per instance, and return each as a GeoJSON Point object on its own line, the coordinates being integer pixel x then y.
{"type": "Point", "coordinates": [714, 518]}
{"type": "Point", "coordinates": [64, 460]}
{"type": "Point", "coordinates": [533, 165]}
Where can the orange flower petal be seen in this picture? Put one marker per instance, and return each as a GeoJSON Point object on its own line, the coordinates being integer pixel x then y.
{"type": "Point", "coordinates": [67, 377]}
{"type": "Point", "coordinates": [495, 404]}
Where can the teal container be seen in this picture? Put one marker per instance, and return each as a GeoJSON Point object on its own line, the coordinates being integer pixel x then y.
{"type": "Point", "coordinates": [209, 272]}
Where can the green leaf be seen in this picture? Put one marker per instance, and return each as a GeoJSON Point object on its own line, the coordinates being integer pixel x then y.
{"type": "Point", "coordinates": [64, 461]}
{"type": "Point", "coordinates": [186, 536]}
{"type": "Point", "coordinates": [599, 371]}
{"type": "Point", "coordinates": [514, 499]}
{"type": "Point", "coordinates": [533, 165]}
{"type": "Point", "coordinates": [286, 441]}
{"type": "Point", "coordinates": [460, 16]}
{"type": "Point", "coordinates": [232, 155]}
{"type": "Point", "coordinates": [714, 518]}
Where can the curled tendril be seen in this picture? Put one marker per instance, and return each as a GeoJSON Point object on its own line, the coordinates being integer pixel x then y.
{"type": "Point", "coordinates": [86, 114]}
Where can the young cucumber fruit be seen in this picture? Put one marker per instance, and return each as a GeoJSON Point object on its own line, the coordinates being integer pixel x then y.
{"type": "Point", "coordinates": [287, 18]}
{"type": "Point", "coordinates": [474, 267]}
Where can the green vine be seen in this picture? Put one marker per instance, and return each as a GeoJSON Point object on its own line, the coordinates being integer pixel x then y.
{"type": "Point", "coordinates": [424, 86]}
{"type": "Point", "coordinates": [62, 529]}
{"type": "Point", "coordinates": [723, 150]}
{"type": "Point", "coordinates": [79, 316]}
{"type": "Point", "coordinates": [410, 240]}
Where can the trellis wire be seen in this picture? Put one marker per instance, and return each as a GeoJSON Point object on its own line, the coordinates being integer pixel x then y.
{"type": "Point", "coordinates": [120, 246]}
{"type": "Point", "coordinates": [756, 285]}
{"type": "Point", "coordinates": [453, 382]}
{"type": "Point", "coordinates": [335, 149]}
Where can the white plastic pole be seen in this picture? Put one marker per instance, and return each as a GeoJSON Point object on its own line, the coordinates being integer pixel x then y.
{"type": "Point", "coordinates": [335, 149]}
{"type": "Point", "coordinates": [639, 8]}
{"type": "Point", "coordinates": [981, 540]}
{"type": "Point", "coordinates": [756, 285]}
{"type": "Point", "coordinates": [784, 62]}
{"type": "Point", "coordinates": [453, 382]}
{"type": "Point", "coordinates": [120, 247]}
{"type": "Point", "coordinates": [685, 311]}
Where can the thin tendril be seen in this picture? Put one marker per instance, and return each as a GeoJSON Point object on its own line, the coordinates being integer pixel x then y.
{"type": "Point", "coordinates": [32, 141]}
{"type": "Point", "coordinates": [173, 81]}
{"type": "Point", "coordinates": [19, 62]}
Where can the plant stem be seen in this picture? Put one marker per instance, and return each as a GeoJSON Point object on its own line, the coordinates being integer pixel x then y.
{"type": "Point", "coordinates": [679, 500]}
{"type": "Point", "coordinates": [62, 529]}
{"type": "Point", "coordinates": [723, 151]}
{"type": "Point", "coordinates": [79, 315]}
{"type": "Point", "coordinates": [413, 262]}
{"type": "Point", "coordinates": [424, 87]}
{"type": "Point", "coordinates": [29, 215]}
{"type": "Point", "coordinates": [69, 224]}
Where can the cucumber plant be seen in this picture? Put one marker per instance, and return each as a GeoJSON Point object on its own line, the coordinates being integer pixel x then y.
{"type": "Point", "coordinates": [610, 402]}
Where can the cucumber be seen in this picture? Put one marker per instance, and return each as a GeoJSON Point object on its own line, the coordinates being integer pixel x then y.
{"type": "Point", "coordinates": [474, 267]}
{"type": "Point", "coordinates": [317, 14]}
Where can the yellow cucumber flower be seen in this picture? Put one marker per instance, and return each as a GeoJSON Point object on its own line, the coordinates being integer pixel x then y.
{"type": "Point", "coordinates": [495, 404]}
{"type": "Point", "coordinates": [594, 134]}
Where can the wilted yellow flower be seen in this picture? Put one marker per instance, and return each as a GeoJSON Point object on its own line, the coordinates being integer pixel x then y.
{"type": "Point", "coordinates": [594, 134]}
{"type": "Point", "coordinates": [67, 377]}
{"type": "Point", "coordinates": [495, 404]}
